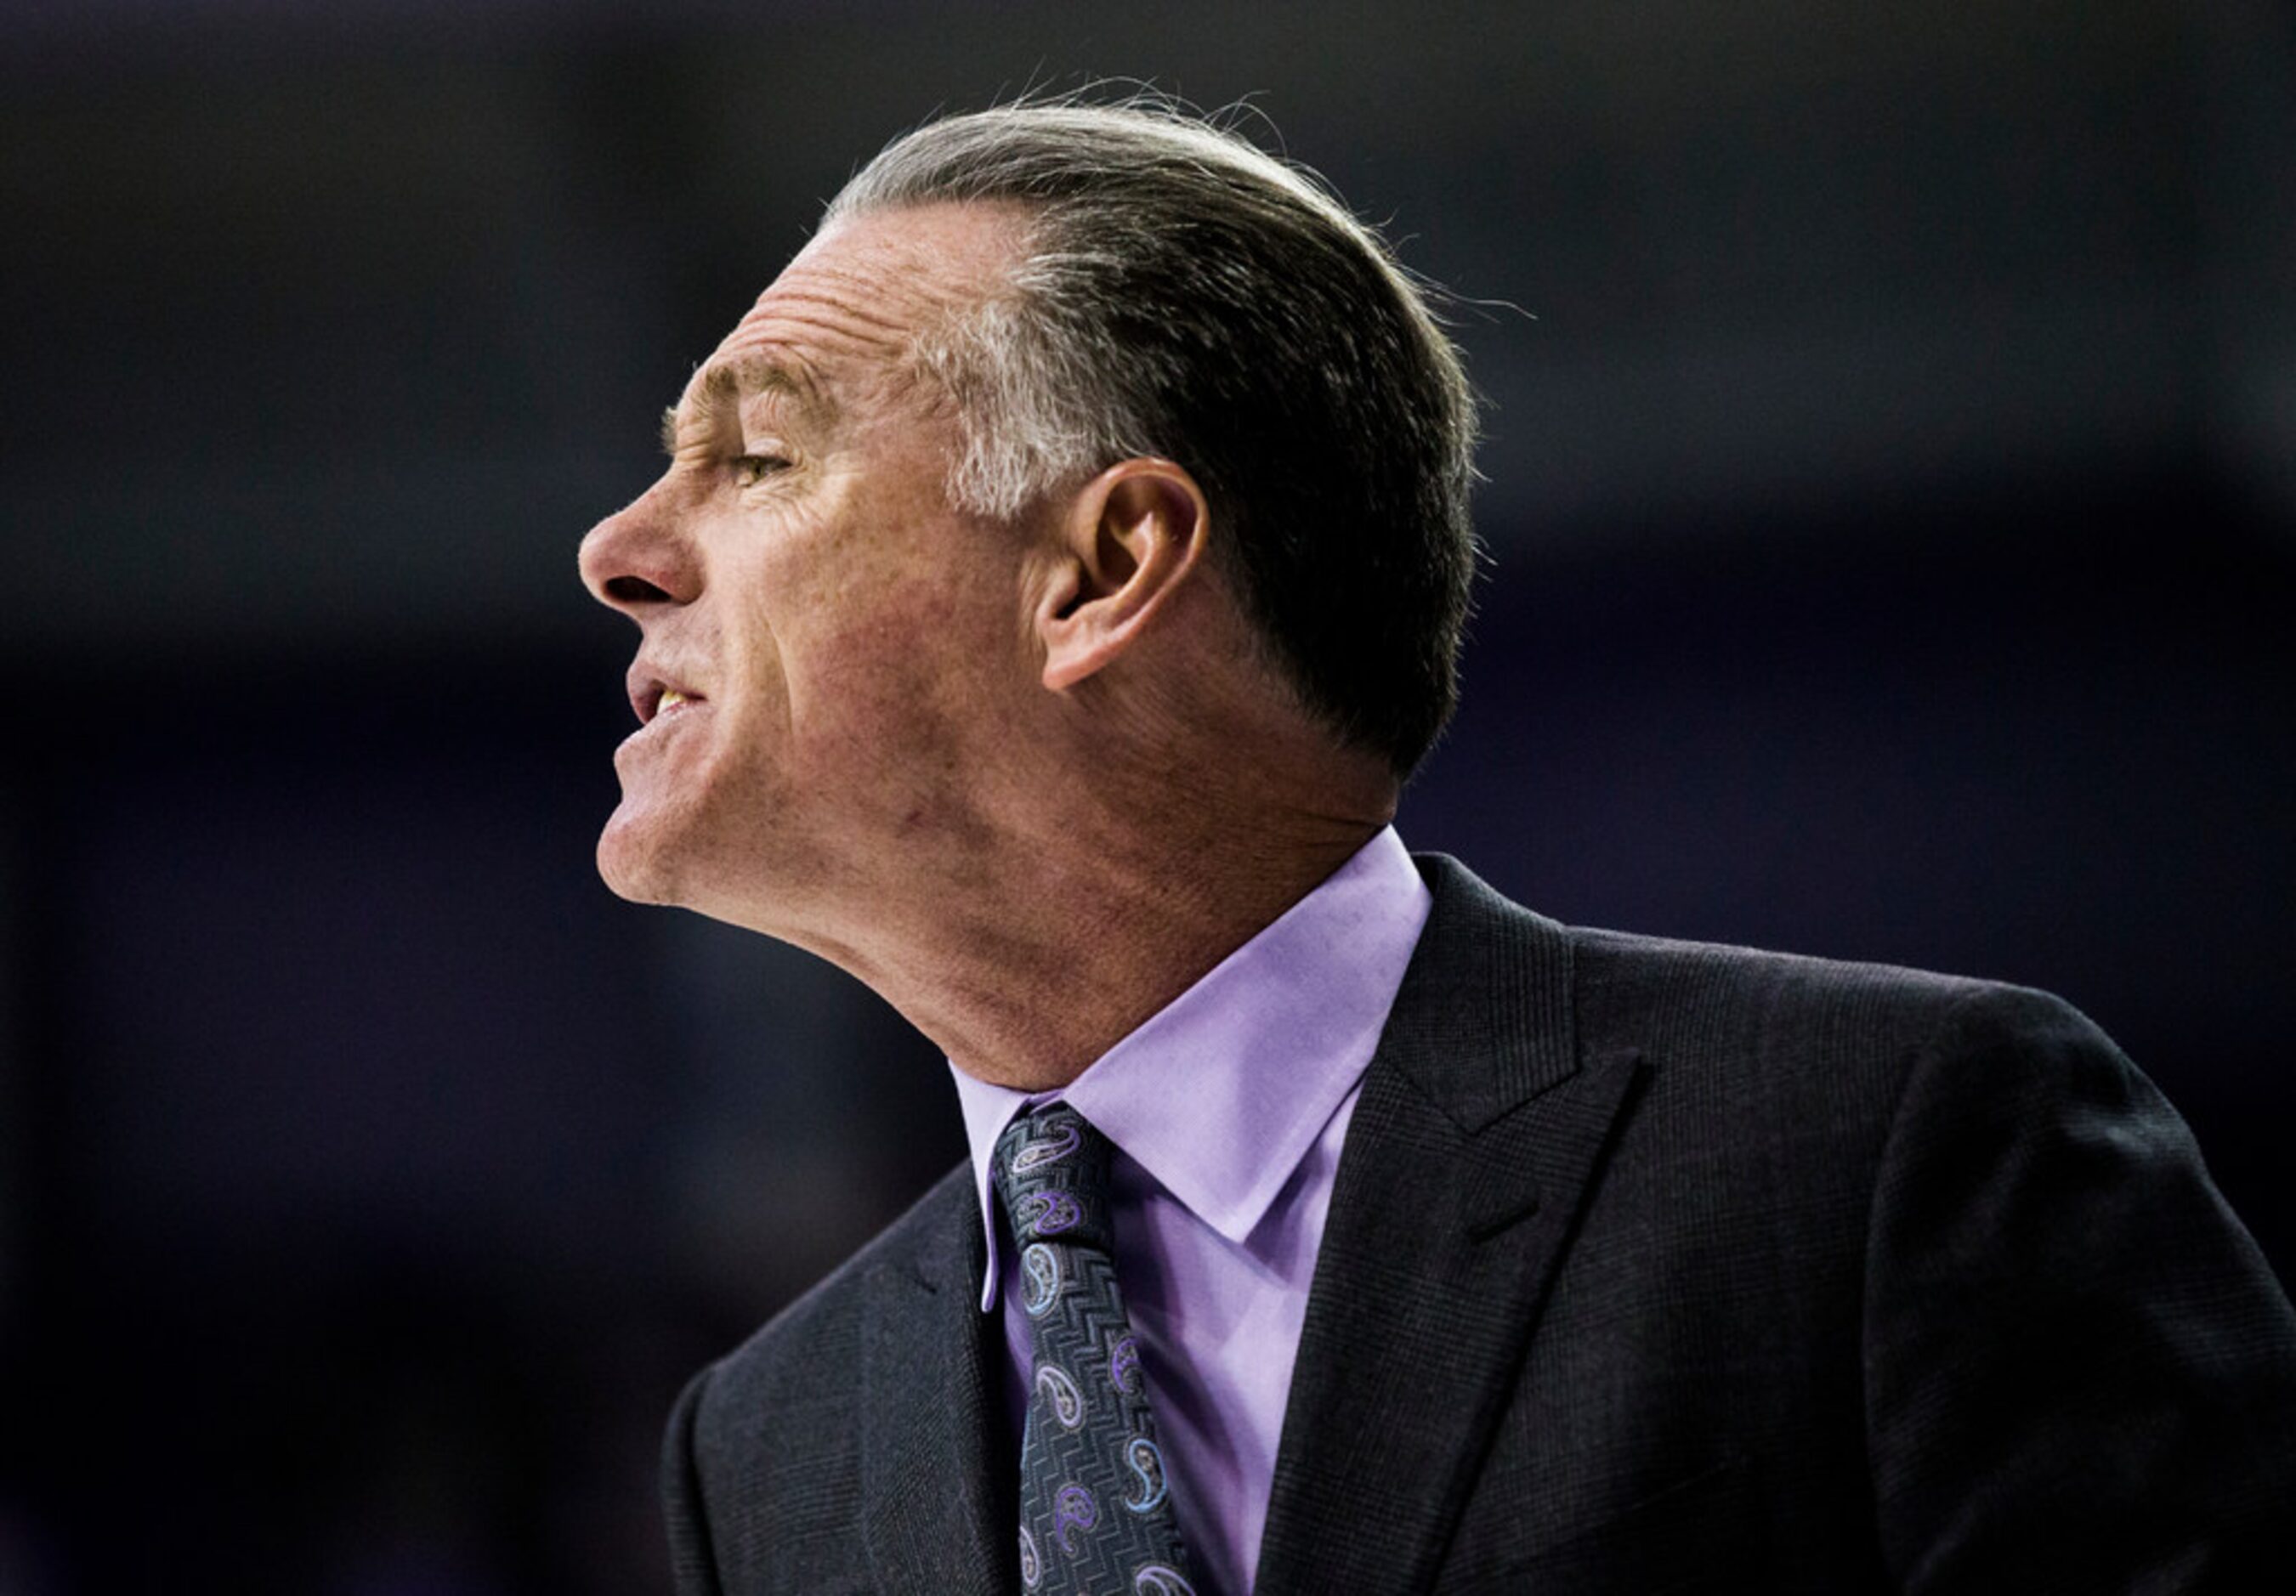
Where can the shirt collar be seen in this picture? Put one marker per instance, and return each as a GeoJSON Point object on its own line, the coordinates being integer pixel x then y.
{"type": "Point", "coordinates": [1220, 1094]}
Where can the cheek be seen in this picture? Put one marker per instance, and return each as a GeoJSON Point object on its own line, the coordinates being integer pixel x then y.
{"type": "Point", "coordinates": [880, 634]}
{"type": "Point", "coordinates": [904, 694]}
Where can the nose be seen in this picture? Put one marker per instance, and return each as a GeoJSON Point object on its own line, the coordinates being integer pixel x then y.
{"type": "Point", "coordinates": [638, 559]}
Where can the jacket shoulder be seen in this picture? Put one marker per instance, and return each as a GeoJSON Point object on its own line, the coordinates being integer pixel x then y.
{"type": "Point", "coordinates": [1746, 998]}
{"type": "Point", "coordinates": [1740, 1015]}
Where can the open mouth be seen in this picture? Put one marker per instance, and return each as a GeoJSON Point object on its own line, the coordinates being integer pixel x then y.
{"type": "Point", "coordinates": [652, 699]}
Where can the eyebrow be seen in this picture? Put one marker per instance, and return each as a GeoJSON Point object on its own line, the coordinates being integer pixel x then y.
{"type": "Point", "coordinates": [724, 382]}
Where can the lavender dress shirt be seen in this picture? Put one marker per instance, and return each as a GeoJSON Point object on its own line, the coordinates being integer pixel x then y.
{"type": "Point", "coordinates": [1227, 1109]}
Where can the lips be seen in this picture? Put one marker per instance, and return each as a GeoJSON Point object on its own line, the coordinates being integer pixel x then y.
{"type": "Point", "coordinates": [653, 695]}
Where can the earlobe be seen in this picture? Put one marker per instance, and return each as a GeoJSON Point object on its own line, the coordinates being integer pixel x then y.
{"type": "Point", "coordinates": [1130, 540]}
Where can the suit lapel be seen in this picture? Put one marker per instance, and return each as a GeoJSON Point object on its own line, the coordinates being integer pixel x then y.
{"type": "Point", "coordinates": [1473, 1142]}
{"type": "Point", "coordinates": [938, 1477]}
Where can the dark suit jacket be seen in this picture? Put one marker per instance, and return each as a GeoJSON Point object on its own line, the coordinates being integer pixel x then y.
{"type": "Point", "coordinates": [1650, 1268]}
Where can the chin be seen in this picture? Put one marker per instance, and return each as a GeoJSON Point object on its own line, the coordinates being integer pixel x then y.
{"type": "Point", "coordinates": [634, 865]}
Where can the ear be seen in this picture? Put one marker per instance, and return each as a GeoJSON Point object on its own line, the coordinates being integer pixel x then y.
{"type": "Point", "coordinates": [1129, 541]}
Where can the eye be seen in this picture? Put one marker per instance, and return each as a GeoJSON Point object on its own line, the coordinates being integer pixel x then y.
{"type": "Point", "coordinates": [749, 470]}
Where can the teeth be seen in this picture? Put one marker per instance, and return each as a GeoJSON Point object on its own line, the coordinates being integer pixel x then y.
{"type": "Point", "coordinates": [671, 699]}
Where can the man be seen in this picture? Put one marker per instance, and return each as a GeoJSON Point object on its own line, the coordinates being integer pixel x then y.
{"type": "Point", "coordinates": [1057, 573]}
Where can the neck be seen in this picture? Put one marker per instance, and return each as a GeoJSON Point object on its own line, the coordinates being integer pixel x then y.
{"type": "Point", "coordinates": [1037, 955]}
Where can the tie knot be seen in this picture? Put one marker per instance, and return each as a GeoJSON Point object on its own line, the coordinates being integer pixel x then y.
{"type": "Point", "coordinates": [1052, 1167]}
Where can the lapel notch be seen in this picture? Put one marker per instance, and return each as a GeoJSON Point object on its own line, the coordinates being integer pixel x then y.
{"type": "Point", "coordinates": [1473, 1146]}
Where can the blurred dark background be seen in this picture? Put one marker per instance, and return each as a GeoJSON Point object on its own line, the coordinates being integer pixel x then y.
{"type": "Point", "coordinates": [1892, 511]}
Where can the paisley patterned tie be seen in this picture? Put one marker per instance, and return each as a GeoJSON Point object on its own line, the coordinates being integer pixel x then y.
{"type": "Point", "coordinates": [1095, 1509]}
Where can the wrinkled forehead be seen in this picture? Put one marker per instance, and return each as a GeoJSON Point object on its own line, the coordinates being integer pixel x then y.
{"type": "Point", "coordinates": [841, 322]}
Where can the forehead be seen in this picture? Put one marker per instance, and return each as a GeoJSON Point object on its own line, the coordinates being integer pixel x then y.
{"type": "Point", "coordinates": [844, 315]}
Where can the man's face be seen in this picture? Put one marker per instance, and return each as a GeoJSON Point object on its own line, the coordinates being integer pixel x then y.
{"type": "Point", "coordinates": [829, 649]}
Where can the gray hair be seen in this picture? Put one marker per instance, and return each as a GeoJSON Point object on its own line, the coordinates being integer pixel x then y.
{"type": "Point", "coordinates": [1180, 292]}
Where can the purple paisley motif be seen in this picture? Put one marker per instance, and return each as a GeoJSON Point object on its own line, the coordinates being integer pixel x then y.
{"type": "Point", "coordinates": [1124, 1364]}
{"type": "Point", "coordinates": [1032, 1572]}
{"type": "Point", "coordinates": [1154, 1579]}
{"type": "Point", "coordinates": [1054, 1212]}
{"type": "Point", "coordinates": [1073, 1509]}
{"type": "Point", "coordinates": [1147, 1466]}
{"type": "Point", "coordinates": [1047, 1150]}
{"type": "Point", "coordinates": [1067, 1402]}
{"type": "Point", "coordinates": [1040, 1278]}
